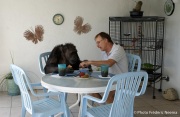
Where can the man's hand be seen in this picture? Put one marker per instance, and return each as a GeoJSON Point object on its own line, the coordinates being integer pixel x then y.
{"type": "Point", "coordinates": [84, 64]}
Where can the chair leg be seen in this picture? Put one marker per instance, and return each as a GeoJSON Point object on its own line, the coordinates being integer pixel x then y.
{"type": "Point", "coordinates": [66, 96]}
{"type": "Point", "coordinates": [45, 91]}
{"type": "Point", "coordinates": [64, 105]}
{"type": "Point", "coordinates": [23, 111]}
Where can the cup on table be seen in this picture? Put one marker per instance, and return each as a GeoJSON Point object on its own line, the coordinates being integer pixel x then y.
{"type": "Point", "coordinates": [62, 69]}
{"type": "Point", "coordinates": [104, 70]}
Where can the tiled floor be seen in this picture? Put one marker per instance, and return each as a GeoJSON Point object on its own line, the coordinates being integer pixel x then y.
{"type": "Point", "coordinates": [145, 106]}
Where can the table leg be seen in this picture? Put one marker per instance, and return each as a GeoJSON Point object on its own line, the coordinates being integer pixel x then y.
{"type": "Point", "coordinates": [76, 103]}
{"type": "Point", "coordinates": [80, 105]}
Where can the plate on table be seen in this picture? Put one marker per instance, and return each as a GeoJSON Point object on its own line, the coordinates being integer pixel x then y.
{"type": "Point", "coordinates": [104, 77]}
{"type": "Point", "coordinates": [81, 78]}
{"type": "Point", "coordinates": [56, 76]}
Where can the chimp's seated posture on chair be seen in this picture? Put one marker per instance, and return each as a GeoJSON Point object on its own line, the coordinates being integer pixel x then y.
{"type": "Point", "coordinates": [66, 53]}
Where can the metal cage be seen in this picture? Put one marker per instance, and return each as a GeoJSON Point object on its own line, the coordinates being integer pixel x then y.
{"type": "Point", "coordinates": [144, 37]}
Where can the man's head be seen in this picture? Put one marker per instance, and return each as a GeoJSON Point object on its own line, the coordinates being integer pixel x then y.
{"type": "Point", "coordinates": [102, 40]}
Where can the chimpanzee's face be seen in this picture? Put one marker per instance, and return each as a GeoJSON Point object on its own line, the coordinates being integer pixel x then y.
{"type": "Point", "coordinates": [72, 56]}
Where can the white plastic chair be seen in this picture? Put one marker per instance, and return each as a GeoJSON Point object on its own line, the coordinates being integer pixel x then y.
{"type": "Point", "coordinates": [41, 108]}
{"type": "Point", "coordinates": [127, 87]}
{"type": "Point", "coordinates": [132, 61]}
{"type": "Point", "coordinates": [42, 61]}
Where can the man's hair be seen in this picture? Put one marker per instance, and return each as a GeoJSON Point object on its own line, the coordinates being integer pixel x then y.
{"type": "Point", "coordinates": [104, 36]}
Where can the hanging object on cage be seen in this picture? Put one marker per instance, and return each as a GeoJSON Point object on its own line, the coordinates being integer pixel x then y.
{"type": "Point", "coordinates": [36, 35]}
{"type": "Point", "coordinates": [79, 28]}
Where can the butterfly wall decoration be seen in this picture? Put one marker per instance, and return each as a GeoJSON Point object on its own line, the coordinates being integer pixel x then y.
{"type": "Point", "coordinates": [79, 28]}
{"type": "Point", "coordinates": [36, 35]}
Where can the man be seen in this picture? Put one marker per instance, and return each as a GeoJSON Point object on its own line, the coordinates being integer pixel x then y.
{"type": "Point", "coordinates": [112, 55]}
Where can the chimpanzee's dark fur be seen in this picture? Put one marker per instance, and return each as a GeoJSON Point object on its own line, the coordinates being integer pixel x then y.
{"type": "Point", "coordinates": [66, 53]}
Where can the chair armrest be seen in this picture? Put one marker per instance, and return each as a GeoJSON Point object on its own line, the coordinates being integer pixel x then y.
{"type": "Point", "coordinates": [88, 97]}
{"type": "Point", "coordinates": [47, 94]}
{"type": "Point", "coordinates": [84, 102]}
{"type": "Point", "coordinates": [143, 88]}
{"type": "Point", "coordinates": [38, 84]}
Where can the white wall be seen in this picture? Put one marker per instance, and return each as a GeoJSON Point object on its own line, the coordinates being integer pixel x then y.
{"type": "Point", "coordinates": [172, 49]}
{"type": "Point", "coordinates": [20, 15]}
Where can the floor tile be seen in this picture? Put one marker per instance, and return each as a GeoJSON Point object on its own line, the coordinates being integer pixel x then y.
{"type": "Point", "coordinates": [4, 112]}
{"type": "Point", "coordinates": [16, 101]}
{"type": "Point", "coordinates": [144, 106]}
{"type": "Point", "coordinates": [16, 112]}
{"type": "Point", "coordinates": [72, 98]}
{"type": "Point", "coordinates": [75, 114]}
{"type": "Point", "coordinates": [5, 101]}
{"type": "Point", "coordinates": [139, 102]}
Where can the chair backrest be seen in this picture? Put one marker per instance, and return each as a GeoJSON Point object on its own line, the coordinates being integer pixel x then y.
{"type": "Point", "coordinates": [132, 61]}
{"type": "Point", "coordinates": [24, 84]}
{"type": "Point", "coordinates": [14, 78]}
{"type": "Point", "coordinates": [42, 61]}
{"type": "Point", "coordinates": [127, 86]}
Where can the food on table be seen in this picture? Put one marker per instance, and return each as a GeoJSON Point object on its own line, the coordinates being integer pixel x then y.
{"type": "Point", "coordinates": [83, 75]}
{"type": "Point", "coordinates": [98, 68]}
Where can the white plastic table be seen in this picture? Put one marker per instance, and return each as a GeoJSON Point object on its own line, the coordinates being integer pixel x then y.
{"type": "Point", "coordinates": [74, 85]}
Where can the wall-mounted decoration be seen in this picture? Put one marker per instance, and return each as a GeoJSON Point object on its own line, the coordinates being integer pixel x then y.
{"type": "Point", "coordinates": [79, 28]}
{"type": "Point", "coordinates": [58, 19]}
{"type": "Point", "coordinates": [169, 7]}
{"type": "Point", "coordinates": [36, 35]}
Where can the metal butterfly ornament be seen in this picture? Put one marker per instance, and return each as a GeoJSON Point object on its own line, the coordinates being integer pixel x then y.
{"type": "Point", "coordinates": [79, 28]}
{"type": "Point", "coordinates": [36, 35]}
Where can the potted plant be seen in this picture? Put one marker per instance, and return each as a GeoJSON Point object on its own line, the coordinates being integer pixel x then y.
{"type": "Point", "coordinates": [12, 87]}
{"type": "Point", "coordinates": [136, 12]}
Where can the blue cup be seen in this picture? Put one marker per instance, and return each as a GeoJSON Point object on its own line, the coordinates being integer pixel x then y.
{"type": "Point", "coordinates": [62, 69]}
{"type": "Point", "coordinates": [104, 70]}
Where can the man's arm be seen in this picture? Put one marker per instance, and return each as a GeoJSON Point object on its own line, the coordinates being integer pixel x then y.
{"type": "Point", "coordinates": [109, 62]}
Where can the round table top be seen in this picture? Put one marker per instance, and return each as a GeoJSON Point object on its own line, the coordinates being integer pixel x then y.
{"type": "Point", "coordinates": [74, 84]}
